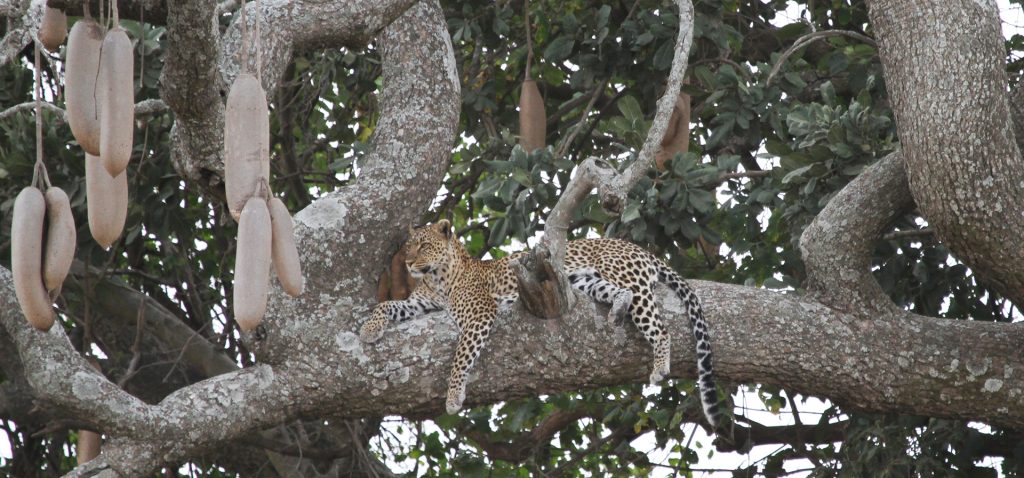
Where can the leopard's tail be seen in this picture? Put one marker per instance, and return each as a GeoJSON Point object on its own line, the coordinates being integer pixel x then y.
{"type": "Point", "coordinates": [705, 370]}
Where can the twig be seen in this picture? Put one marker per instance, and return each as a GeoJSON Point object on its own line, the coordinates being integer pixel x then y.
{"type": "Point", "coordinates": [529, 39]}
{"type": "Point", "coordinates": [910, 233]}
{"type": "Point", "coordinates": [811, 37]}
{"type": "Point", "coordinates": [133, 272]}
{"type": "Point", "coordinates": [743, 174]}
{"type": "Point", "coordinates": [739, 68]}
{"type": "Point", "coordinates": [133, 365]}
{"type": "Point", "coordinates": [294, 450]}
{"type": "Point", "coordinates": [619, 435]}
{"type": "Point", "coordinates": [142, 108]}
{"type": "Point", "coordinates": [562, 148]}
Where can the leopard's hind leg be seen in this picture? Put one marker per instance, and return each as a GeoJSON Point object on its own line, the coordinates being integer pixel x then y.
{"type": "Point", "coordinates": [636, 302]}
{"type": "Point", "coordinates": [647, 318]}
{"type": "Point", "coordinates": [590, 282]}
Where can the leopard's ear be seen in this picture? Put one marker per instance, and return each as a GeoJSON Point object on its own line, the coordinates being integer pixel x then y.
{"type": "Point", "coordinates": [444, 227]}
{"type": "Point", "coordinates": [411, 230]}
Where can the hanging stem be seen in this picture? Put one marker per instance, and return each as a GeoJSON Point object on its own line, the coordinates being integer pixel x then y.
{"type": "Point", "coordinates": [529, 38]}
{"type": "Point", "coordinates": [142, 49]}
{"type": "Point", "coordinates": [113, 6]}
{"type": "Point", "coordinates": [263, 188]}
{"type": "Point", "coordinates": [39, 171]}
{"type": "Point", "coordinates": [259, 44]}
{"type": "Point", "coordinates": [244, 47]}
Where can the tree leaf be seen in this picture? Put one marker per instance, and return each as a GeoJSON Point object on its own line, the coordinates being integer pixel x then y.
{"type": "Point", "coordinates": [559, 49]}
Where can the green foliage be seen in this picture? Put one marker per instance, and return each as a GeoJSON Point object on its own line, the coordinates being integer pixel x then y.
{"type": "Point", "coordinates": [766, 155]}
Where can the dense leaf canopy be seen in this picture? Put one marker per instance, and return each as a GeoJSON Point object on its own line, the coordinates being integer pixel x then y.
{"type": "Point", "coordinates": [776, 132]}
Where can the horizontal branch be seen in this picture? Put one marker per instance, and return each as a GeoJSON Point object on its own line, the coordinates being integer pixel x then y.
{"type": "Point", "coordinates": [943, 368]}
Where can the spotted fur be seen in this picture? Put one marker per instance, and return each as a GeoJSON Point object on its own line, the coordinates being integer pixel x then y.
{"type": "Point", "coordinates": [610, 271]}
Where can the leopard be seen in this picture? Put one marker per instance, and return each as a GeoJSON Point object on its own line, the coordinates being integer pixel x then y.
{"type": "Point", "coordinates": [609, 271]}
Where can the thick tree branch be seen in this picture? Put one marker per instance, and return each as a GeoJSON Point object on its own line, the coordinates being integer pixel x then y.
{"type": "Point", "coordinates": [915, 365]}
{"type": "Point", "coordinates": [953, 118]}
{"type": "Point", "coordinates": [201, 64]}
{"type": "Point", "coordinates": [837, 245]}
{"type": "Point", "coordinates": [421, 89]}
{"type": "Point", "coordinates": [155, 11]}
{"type": "Point", "coordinates": [24, 22]}
{"type": "Point", "coordinates": [168, 346]}
{"type": "Point", "coordinates": [191, 85]}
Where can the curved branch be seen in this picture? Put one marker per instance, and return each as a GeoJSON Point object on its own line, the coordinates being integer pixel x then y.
{"type": "Point", "coordinates": [201, 63]}
{"type": "Point", "coordinates": [953, 118]}
{"type": "Point", "coordinates": [837, 245]}
{"type": "Point", "coordinates": [621, 186]}
{"type": "Point", "coordinates": [808, 39]}
{"type": "Point", "coordinates": [24, 22]}
{"type": "Point", "coordinates": [421, 88]}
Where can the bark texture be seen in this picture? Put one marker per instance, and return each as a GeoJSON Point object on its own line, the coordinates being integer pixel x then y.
{"type": "Point", "coordinates": [913, 365]}
{"type": "Point", "coordinates": [944, 69]}
{"type": "Point", "coordinates": [843, 341]}
{"type": "Point", "coordinates": [837, 245]}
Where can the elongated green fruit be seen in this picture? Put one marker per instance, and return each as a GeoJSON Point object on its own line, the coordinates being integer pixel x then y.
{"type": "Point", "coordinates": [26, 258]}
{"type": "Point", "coordinates": [246, 141]}
{"type": "Point", "coordinates": [116, 99]}
{"type": "Point", "coordinates": [252, 263]}
{"type": "Point", "coordinates": [107, 201]}
{"type": "Point", "coordinates": [286, 256]}
{"type": "Point", "coordinates": [54, 28]}
{"type": "Point", "coordinates": [533, 122]}
{"type": "Point", "coordinates": [60, 240]}
{"type": "Point", "coordinates": [83, 64]}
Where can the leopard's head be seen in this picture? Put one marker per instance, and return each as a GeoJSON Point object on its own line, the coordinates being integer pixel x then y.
{"type": "Point", "coordinates": [429, 249]}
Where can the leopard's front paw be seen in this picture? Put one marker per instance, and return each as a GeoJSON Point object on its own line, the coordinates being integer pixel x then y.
{"type": "Point", "coordinates": [370, 334]}
{"type": "Point", "coordinates": [455, 398]}
{"type": "Point", "coordinates": [659, 373]}
{"type": "Point", "coordinates": [373, 329]}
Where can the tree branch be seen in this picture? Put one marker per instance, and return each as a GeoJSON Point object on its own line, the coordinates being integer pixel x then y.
{"type": "Point", "coordinates": [420, 87]}
{"type": "Point", "coordinates": [964, 168]}
{"type": "Point", "coordinates": [544, 289]}
{"type": "Point", "coordinates": [944, 368]}
{"type": "Point", "coordinates": [837, 246]}
{"type": "Point", "coordinates": [522, 446]}
{"type": "Point", "coordinates": [20, 29]}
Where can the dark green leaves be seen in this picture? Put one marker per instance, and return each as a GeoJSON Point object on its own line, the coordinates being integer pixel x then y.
{"type": "Point", "coordinates": [559, 49]}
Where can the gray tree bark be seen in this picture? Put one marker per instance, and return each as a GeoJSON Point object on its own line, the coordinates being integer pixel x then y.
{"type": "Point", "coordinates": [945, 73]}
{"type": "Point", "coordinates": [843, 341]}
